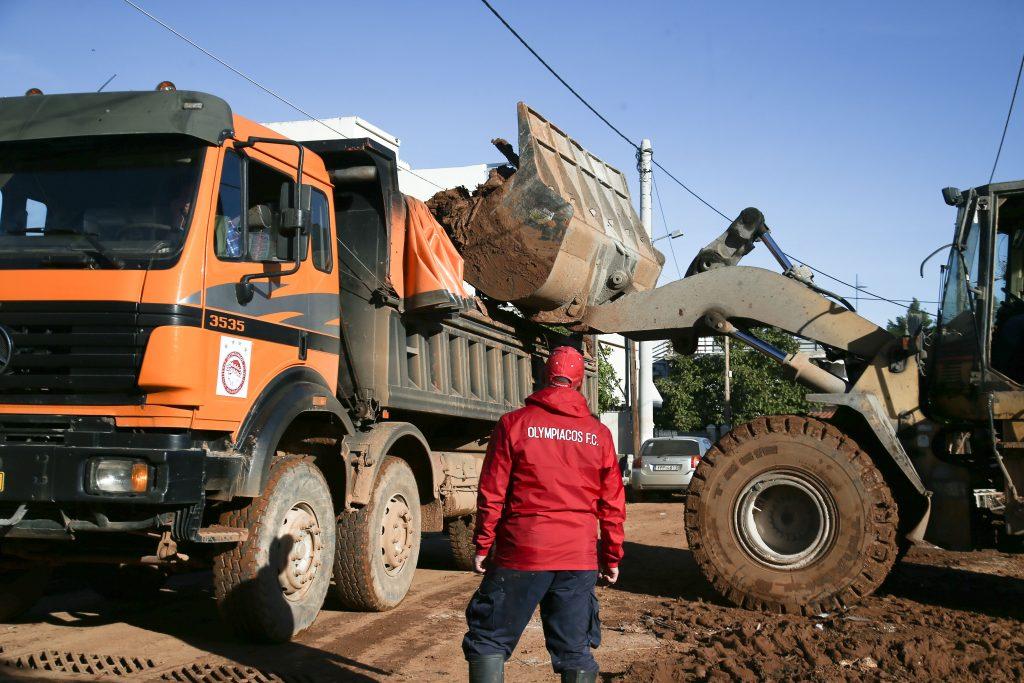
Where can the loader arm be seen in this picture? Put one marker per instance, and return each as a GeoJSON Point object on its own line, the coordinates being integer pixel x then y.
{"type": "Point", "coordinates": [745, 295]}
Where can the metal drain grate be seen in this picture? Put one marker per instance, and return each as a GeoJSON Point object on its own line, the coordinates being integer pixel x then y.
{"type": "Point", "coordinates": [228, 673]}
{"type": "Point", "coordinates": [79, 663]}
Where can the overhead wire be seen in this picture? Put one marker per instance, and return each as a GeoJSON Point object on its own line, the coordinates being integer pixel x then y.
{"type": "Point", "coordinates": [664, 224]}
{"type": "Point", "coordinates": [636, 146]}
{"type": "Point", "coordinates": [256, 83]}
{"type": "Point", "coordinates": [873, 296]}
{"type": "Point", "coordinates": [593, 109]}
{"type": "Point", "coordinates": [1006, 124]}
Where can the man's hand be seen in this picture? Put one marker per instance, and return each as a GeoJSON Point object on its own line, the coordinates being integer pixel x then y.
{"type": "Point", "coordinates": [478, 564]}
{"type": "Point", "coordinates": [609, 574]}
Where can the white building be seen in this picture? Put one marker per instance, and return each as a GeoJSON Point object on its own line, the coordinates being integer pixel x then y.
{"type": "Point", "coordinates": [421, 183]}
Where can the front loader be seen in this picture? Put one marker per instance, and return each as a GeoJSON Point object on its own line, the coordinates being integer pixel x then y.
{"type": "Point", "coordinates": [794, 513]}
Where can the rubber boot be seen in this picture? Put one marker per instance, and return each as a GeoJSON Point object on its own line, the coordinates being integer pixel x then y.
{"type": "Point", "coordinates": [487, 669]}
{"type": "Point", "coordinates": [578, 676]}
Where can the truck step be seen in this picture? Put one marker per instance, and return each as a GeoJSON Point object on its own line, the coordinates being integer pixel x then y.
{"type": "Point", "coordinates": [218, 533]}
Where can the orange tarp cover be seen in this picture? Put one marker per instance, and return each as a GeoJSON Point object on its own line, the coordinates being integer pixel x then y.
{"type": "Point", "coordinates": [426, 269]}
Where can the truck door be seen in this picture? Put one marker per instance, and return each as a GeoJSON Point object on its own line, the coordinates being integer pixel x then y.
{"type": "Point", "coordinates": [291, 319]}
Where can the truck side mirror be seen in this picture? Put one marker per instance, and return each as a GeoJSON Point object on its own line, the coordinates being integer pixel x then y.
{"type": "Point", "coordinates": [297, 219]}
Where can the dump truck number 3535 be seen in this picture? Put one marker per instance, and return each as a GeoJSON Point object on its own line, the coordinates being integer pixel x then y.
{"type": "Point", "coordinates": [221, 322]}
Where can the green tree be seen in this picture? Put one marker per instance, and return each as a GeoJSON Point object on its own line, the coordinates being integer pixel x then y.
{"type": "Point", "coordinates": [608, 396]}
{"type": "Point", "coordinates": [915, 318]}
{"type": "Point", "coordinates": [693, 394]}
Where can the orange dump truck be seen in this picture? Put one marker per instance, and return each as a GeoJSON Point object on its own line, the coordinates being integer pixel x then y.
{"type": "Point", "coordinates": [221, 347]}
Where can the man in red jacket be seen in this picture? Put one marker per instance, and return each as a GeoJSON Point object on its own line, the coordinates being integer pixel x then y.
{"type": "Point", "coordinates": [550, 481]}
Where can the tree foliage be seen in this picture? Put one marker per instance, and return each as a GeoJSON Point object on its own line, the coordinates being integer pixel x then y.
{"type": "Point", "coordinates": [915, 318]}
{"type": "Point", "coordinates": [608, 396]}
{"type": "Point", "coordinates": [693, 394]}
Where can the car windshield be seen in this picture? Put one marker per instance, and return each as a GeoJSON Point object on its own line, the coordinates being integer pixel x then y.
{"type": "Point", "coordinates": [672, 447]}
{"type": "Point", "coordinates": [97, 202]}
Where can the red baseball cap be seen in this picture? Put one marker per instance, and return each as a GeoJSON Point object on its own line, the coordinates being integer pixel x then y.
{"type": "Point", "coordinates": [565, 363]}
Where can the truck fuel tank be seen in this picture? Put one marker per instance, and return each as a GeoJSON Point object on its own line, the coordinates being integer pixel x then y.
{"type": "Point", "coordinates": [555, 235]}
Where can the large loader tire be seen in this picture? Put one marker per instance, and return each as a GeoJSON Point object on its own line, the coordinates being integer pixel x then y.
{"type": "Point", "coordinates": [789, 515]}
{"type": "Point", "coordinates": [460, 538]}
{"type": "Point", "coordinates": [20, 589]}
{"type": "Point", "coordinates": [272, 586]}
{"type": "Point", "coordinates": [379, 545]}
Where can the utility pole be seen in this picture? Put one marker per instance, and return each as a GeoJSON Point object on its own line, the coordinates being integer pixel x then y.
{"type": "Point", "coordinates": [644, 426]}
{"type": "Point", "coordinates": [634, 396]}
{"type": "Point", "coordinates": [857, 286]}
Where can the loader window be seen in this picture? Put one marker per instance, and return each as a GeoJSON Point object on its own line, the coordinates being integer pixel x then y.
{"type": "Point", "coordinates": [320, 232]}
{"type": "Point", "coordinates": [961, 276]}
{"type": "Point", "coordinates": [1007, 285]}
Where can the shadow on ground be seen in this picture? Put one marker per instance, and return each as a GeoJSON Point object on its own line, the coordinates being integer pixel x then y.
{"type": "Point", "coordinates": [957, 588]}
{"type": "Point", "coordinates": [664, 572]}
{"type": "Point", "coordinates": [186, 610]}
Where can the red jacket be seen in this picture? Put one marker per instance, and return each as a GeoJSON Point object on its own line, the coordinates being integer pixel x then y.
{"type": "Point", "coordinates": [549, 482]}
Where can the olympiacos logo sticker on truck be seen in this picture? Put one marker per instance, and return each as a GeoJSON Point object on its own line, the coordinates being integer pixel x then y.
{"type": "Point", "coordinates": [234, 367]}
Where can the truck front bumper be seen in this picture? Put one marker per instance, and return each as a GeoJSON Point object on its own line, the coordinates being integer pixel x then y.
{"type": "Point", "coordinates": [45, 489]}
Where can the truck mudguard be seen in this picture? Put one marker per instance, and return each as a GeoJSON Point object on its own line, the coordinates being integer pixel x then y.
{"type": "Point", "coordinates": [294, 392]}
{"type": "Point", "coordinates": [401, 439]}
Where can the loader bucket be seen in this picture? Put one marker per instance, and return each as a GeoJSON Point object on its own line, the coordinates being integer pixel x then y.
{"type": "Point", "coordinates": [563, 234]}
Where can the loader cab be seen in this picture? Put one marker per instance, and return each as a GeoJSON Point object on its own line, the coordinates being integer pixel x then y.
{"type": "Point", "coordinates": [979, 343]}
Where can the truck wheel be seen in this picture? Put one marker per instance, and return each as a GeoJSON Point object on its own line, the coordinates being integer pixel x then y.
{"type": "Point", "coordinates": [126, 582]}
{"type": "Point", "coordinates": [379, 545]}
{"type": "Point", "coordinates": [787, 514]}
{"type": "Point", "coordinates": [20, 589]}
{"type": "Point", "coordinates": [272, 585]}
{"type": "Point", "coordinates": [460, 538]}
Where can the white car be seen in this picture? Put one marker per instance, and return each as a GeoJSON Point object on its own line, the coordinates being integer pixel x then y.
{"type": "Point", "coordinates": [666, 464]}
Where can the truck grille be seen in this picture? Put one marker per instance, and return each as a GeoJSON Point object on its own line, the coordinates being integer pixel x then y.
{"type": "Point", "coordinates": [79, 352]}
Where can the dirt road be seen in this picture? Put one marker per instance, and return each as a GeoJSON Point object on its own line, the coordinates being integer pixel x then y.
{"type": "Point", "coordinates": [944, 615]}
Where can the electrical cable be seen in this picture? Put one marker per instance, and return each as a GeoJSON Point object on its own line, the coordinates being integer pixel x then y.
{"type": "Point", "coordinates": [593, 110]}
{"type": "Point", "coordinates": [259, 85]}
{"type": "Point", "coordinates": [1009, 114]}
{"type": "Point", "coordinates": [636, 146]}
{"type": "Point", "coordinates": [874, 296]}
{"type": "Point", "coordinates": [664, 224]}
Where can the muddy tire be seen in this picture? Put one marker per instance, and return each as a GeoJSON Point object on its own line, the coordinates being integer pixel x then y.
{"type": "Point", "coordinates": [20, 589]}
{"type": "Point", "coordinates": [272, 586]}
{"type": "Point", "coordinates": [460, 538]}
{"type": "Point", "coordinates": [379, 544]}
{"type": "Point", "coordinates": [126, 583]}
{"type": "Point", "coordinates": [789, 515]}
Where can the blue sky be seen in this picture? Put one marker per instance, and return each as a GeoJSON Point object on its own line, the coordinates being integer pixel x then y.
{"type": "Point", "coordinates": [841, 121]}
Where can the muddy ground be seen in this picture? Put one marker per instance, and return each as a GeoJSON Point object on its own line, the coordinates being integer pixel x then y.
{"type": "Point", "coordinates": [942, 616]}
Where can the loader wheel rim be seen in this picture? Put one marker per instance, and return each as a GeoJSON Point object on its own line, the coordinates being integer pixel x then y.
{"type": "Point", "coordinates": [304, 557]}
{"type": "Point", "coordinates": [396, 535]}
{"type": "Point", "coordinates": [785, 520]}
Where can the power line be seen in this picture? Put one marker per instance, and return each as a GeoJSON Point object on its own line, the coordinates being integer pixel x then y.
{"type": "Point", "coordinates": [878, 297]}
{"type": "Point", "coordinates": [1006, 125]}
{"type": "Point", "coordinates": [256, 83]}
{"type": "Point", "coordinates": [555, 74]}
{"type": "Point", "coordinates": [663, 169]}
{"type": "Point", "coordinates": [664, 224]}
{"type": "Point", "coordinates": [593, 110]}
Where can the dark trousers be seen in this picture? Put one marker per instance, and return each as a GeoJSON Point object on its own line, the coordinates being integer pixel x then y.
{"type": "Point", "coordinates": [503, 605]}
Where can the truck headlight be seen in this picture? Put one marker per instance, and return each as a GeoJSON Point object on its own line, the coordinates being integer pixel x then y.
{"type": "Point", "coordinates": [118, 475]}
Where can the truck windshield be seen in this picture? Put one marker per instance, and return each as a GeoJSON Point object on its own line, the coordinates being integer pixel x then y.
{"type": "Point", "coordinates": [97, 202]}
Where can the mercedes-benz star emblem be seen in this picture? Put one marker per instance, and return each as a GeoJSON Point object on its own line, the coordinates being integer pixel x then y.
{"type": "Point", "coordinates": [6, 349]}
